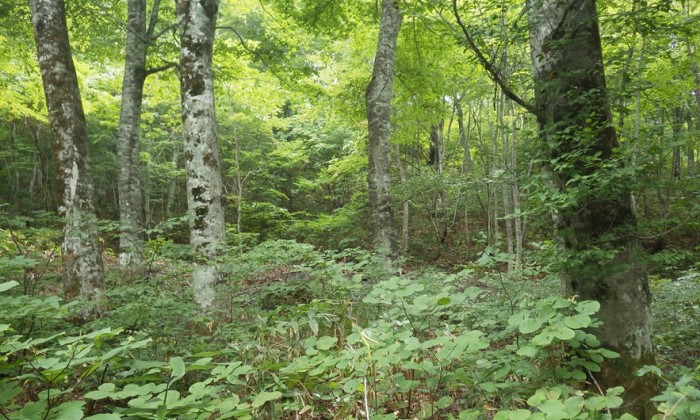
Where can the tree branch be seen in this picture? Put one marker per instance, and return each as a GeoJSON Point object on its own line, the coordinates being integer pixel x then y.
{"type": "Point", "coordinates": [164, 67]}
{"type": "Point", "coordinates": [255, 54]}
{"type": "Point", "coordinates": [492, 70]}
{"type": "Point", "coordinates": [153, 21]}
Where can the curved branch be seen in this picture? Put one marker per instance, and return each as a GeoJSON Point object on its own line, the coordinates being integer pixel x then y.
{"type": "Point", "coordinates": [492, 70]}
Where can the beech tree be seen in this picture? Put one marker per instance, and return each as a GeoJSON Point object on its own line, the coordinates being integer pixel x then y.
{"type": "Point", "coordinates": [130, 200]}
{"type": "Point", "coordinates": [139, 37]}
{"type": "Point", "coordinates": [597, 226]}
{"type": "Point", "coordinates": [378, 101]}
{"type": "Point", "coordinates": [80, 250]}
{"type": "Point", "coordinates": [197, 24]}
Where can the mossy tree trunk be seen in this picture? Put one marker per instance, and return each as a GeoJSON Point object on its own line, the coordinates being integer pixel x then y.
{"type": "Point", "coordinates": [597, 225]}
{"type": "Point", "coordinates": [80, 250]}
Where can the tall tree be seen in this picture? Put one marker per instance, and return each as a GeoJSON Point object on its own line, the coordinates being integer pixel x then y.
{"type": "Point", "coordinates": [80, 251]}
{"type": "Point", "coordinates": [197, 24]}
{"type": "Point", "coordinates": [598, 227]}
{"type": "Point", "coordinates": [139, 36]}
{"type": "Point", "coordinates": [378, 102]}
{"type": "Point", "coordinates": [130, 200]}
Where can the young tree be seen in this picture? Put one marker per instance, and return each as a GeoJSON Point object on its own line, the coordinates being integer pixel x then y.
{"type": "Point", "coordinates": [80, 251]}
{"type": "Point", "coordinates": [597, 228]}
{"type": "Point", "coordinates": [378, 102]}
{"type": "Point", "coordinates": [197, 23]}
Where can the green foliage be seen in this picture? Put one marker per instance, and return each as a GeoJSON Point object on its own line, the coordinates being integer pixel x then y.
{"type": "Point", "coordinates": [300, 331]}
{"type": "Point", "coordinates": [677, 317]}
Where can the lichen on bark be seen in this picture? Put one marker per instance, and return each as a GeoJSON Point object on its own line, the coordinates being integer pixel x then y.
{"type": "Point", "coordinates": [197, 23]}
{"type": "Point", "coordinates": [80, 250]}
{"type": "Point", "coordinates": [378, 104]}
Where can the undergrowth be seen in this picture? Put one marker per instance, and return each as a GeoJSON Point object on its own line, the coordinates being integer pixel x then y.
{"type": "Point", "coordinates": [298, 333]}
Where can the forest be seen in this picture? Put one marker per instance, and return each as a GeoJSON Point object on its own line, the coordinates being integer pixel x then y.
{"type": "Point", "coordinates": [349, 209]}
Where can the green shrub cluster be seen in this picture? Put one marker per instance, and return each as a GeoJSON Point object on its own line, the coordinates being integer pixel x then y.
{"type": "Point", "coordinates": [298, 333]}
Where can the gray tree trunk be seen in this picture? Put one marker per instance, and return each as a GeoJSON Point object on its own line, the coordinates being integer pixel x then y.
{"type": "Point", "coordinates": [197, 24]}
{"type": "Point", "coordinates": [80, 251]}
{"type": "Point", "coordinates": [128, 143]}
{"type": "Point", "coordinates": [598, 229]}
{"type": "Point", "coordinates": [378, 102]}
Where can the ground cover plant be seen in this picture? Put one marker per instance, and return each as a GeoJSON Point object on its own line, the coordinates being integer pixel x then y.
{"type": "Point", "coordinates": [299, 333]}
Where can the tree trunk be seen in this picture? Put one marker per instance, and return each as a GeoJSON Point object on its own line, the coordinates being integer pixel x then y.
{"type": "Point", "coordinates": [128, 143]}
{"type": "Point", "coordinates": [598, 229]}
{"type": "Point", "coordinates": [378, 102]}
{"type": "Point", "coordinates": [406, 204]}
{"type": "Point", "coordinates": [197, 23]}
{"type": "Point", "coordinates": [80, 251]}
{"type": "Point", "coordinates": [677, 127]}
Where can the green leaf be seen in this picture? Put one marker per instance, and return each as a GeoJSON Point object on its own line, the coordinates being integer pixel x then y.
{"type": "Point", "coordinates": [8, 285]}
{"type": "Point", "coordinates": [530, 325]}
{"type": "Point", "coordinates": [178, 368]}
{"type": "Point", "coordinates": [444, 402]}
{"type": "Point", "coordinates": [554, 409]}
{"type": "Point", "coordinates": [521, 414]}
{"type": "Point", "coordinates": [528, 351]}
{"type": "Point", "coordinates": [564, 333]}
{"type": "Point", "coordinates": [444, 301]}
{"type": "Point", "coordinates": [313, 324]}
{"type": "Point", "coordinates": [103, 391]}
{"type": "Point", "coordinates": [110, 416]}
{"type": "Point", "coordinates": [71, 410]}
{"type": "Point", "coordinates": [588, 307]}
{"type": "Point", "coordinates": [264, 397]}
{"type": "Point", "coordinates": [577, 321]}
{"type": "Point", "coordinates": [518, 318]}
{"type": "Point", "coordinates": [608, 354]}
{"type": "Point", "coordinates": [326, 342]}
{"type": "Point", "coordinates": [649, 368]}
{"type": "Point", "coordinates": [7, 394]}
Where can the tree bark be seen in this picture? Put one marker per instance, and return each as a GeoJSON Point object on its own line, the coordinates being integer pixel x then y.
{"type": "Point", "coordinates": [80, 251]}
{"type": "Point", "coordinates": [197, 24]}
{"type": "Point", "coordinates": [598, 229]}
{"type": "Point", "coordinates": [378, 102]}
{"type": "Point", "coordinates": [128, 143]}
{"type": "Point", "coordinates": [405, 215]}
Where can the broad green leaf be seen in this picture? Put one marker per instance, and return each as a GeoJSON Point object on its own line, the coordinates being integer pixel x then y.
{"type": "Point", "coordinates": [530, 325]}
{"type": "Point", "coordinates": [588, 307]}
{"type": "Point", "coordinates": [528, 351]}
{"type": "Point", "coordinates": [178, 367]}
{"type": "Point", "coordinates": [326, 342]}
{"type": "Point", "coordinates": [521, 414]}
{"type": "Point", "coordinates": [444, 402]}
{"type": "Point", "coordinates": [608, 354]}
{"type": "Point", "coordinates": [554, 409]}
{"type": "Point", "coordinates": [564, 333]}
{"type": "Point", "coordinates": [8, 394]}
{"type": "Point", "coordinates": [264, 397]}
{"type": "Point", "coordinates": [110, 416]}
{"type": "Point", "coordinates": [577, 321]}
{"type": "Point", "coordinates": [518, 318]}
{"type": "Point", "coordinates": [71, 410]}
{"type": "Point", "coordinates": [8, 285]}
